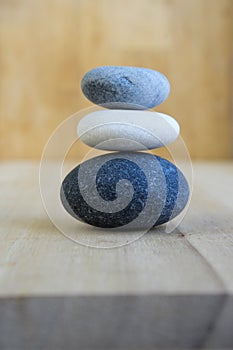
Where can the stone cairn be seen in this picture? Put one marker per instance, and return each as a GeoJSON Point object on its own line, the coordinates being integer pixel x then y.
{"type": "Point", "coordinates": [128, 187]}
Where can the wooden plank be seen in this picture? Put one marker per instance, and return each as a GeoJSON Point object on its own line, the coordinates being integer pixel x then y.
{"type": "Point", "coordinates": [162, 291]}
{"type": "Point", "coordinates": [154, 263]}
{"type": "Point", "coordinates": [42, 64]}
{"type": "Point", "coordinates": [33, 251]}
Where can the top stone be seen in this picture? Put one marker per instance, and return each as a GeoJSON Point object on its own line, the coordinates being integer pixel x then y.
{"type": "Point", "coordinates": [118, 87]}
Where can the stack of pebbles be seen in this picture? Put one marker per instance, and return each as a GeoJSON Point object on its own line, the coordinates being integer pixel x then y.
{"type": "Point", "coordinates": [126, 188]}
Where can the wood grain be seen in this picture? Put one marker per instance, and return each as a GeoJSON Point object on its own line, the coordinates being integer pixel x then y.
{"type": "Point", "coordinates": [47, 46]}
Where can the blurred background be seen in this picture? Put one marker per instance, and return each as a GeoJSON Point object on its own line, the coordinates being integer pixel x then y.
{"type": "Point", "coordinates": [47, 46]}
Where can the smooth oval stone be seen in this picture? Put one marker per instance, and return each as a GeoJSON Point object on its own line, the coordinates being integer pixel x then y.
{"type": "Point", "coordinates": [125, 87]}
{"type": "Point", "coordinates": [131, 190]}
{"type": "Point", "coordinates": [127, 130]}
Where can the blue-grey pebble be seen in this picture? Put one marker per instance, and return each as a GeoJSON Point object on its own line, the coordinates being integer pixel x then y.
{"type": "Point", "coordinates": [131, 190]}
{"type": "Point", "coordinates": [125, 87]}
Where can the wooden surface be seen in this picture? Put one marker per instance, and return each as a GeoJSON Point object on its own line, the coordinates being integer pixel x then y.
{"type": "Point", "coordinates": [47, 46]}
{"type": "Point", "coordinates": [162, 291]}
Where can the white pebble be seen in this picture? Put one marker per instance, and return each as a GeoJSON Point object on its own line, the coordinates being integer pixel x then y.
{"type": "Point", "coordinates": [127, 130]}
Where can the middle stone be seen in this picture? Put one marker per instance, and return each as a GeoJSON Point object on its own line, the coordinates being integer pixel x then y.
{"type": "Point", "coordinates": [127, 130]}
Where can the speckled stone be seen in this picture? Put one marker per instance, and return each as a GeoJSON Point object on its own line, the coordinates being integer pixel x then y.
{"type": "Point", "coordinates": [130, 190]}
{"type": "Point", "coordinates": [125, 87]}
{"type": "Point", "coordinates": [127, 130]}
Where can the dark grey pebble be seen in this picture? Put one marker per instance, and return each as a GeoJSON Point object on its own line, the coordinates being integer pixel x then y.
{"type": "Point", "coordinates": [132, 190]}
{"type": "Point", "coordinates": [125, 87]}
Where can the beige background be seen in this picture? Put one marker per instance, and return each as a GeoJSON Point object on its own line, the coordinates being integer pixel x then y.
{"type": "Point", "coordinates": [47, 46]}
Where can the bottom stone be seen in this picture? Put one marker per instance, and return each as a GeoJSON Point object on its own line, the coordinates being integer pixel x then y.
{"type": "Point", "coordinates": [132, 190]}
